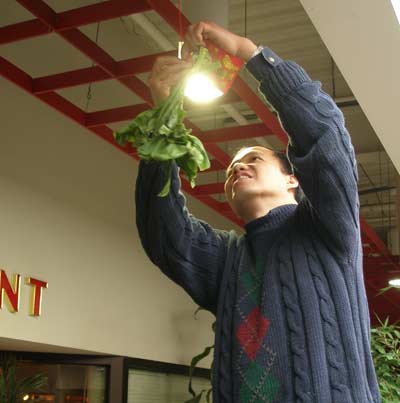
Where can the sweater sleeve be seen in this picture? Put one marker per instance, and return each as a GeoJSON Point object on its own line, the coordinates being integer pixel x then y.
{"type": "Point", "coordinates": [189, 251]}
{"type": "Point", "coordinates": [319, 147]}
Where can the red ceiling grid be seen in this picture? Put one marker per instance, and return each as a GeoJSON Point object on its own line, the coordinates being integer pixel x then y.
{"type": "Point", "coordinates": [379, 265]}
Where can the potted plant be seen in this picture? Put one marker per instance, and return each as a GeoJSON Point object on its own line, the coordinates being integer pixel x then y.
{"type": "Point", "coordinates": [385, 347]}
{"type": "Point", "coordinates": [13, 390]}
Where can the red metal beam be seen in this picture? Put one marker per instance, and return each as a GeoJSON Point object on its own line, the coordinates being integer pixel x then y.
{"type": "Point", "coordinates": [114, 115]}
{"type": "Point", "coordinates": [92, 74]}
{"type": "Point", "coordinates": [371, 235]}
{"type": "Point", "coordinates": [23, 30]}
{"type": "Point", "coordinates": [382, 274]}
{"type": "Point", "coordinates": [59, 81]}
{"type": "Point", "coordinates": [24, 81]}
{"type": "Point", "coordinates": [215, 166]}
{"type": "Point", "coordinates": [49, 21]}
{"type": "Point", "coordinates": [211, 188]}
{"type": "Point", "coordinates": [138, 87]}
{"type": "Point", "coordinates": [122, 69]}
{"type": "Point", "coordinates": [381, 260]}
{"type": "Point", "coordinates": [15, 75]}
{"type": "Point", "coordinates": [42, 11]}
{"type": "Point", "coordinates": [80, 41]}
{"type": "Point", "coordinates": [391, 297]}
{"type": "Point", "coordinates": [77, 39]}
{"type": "Point", "coordinates": [97, 12]}
{"type": "Point", "coordinates": [210, 202]}
{"type": "Point", "coordinates": [255, 103]}
{"type": "Point", "coordinates": [89, 48]}
{"type": "Point", "coordinates": [64, 106]}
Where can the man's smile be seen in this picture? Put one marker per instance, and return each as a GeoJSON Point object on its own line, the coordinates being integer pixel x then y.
{"type": "Point", "coordinates": [242, 176]}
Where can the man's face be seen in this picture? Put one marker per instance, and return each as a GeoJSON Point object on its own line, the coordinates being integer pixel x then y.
{"type": "Point", "coordinates": [255, 172]}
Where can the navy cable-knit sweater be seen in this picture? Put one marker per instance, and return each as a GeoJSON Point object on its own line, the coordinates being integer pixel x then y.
{"type": "Point", "coordinates": [289, 296]}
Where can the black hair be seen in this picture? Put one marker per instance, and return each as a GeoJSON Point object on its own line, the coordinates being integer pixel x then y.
{"type": "Point", "coordinates": [286, 168]}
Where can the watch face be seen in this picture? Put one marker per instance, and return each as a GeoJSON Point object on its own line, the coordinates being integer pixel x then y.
{"type": "Point", "coordinates": [258, 50]}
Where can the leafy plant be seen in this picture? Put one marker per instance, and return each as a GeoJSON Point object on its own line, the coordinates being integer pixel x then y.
{"type": "Point", "coordinates": [196, 397]}
{"type": "Point", "coordinates": [383, 290]}
{"type": "Point", "coordinates": [11, 390]}
{"type": "Point", "coordinates": [160, 133]}
{"type": "Point", "coordinates": [385, 347]}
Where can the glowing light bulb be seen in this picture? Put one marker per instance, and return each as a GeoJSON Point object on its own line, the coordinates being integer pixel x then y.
{"type": "Point", "coordinates": [200, 88]}
{"type": "Point", "coordinates": [395, 282]}
{"type": "Point", "coordinates": [25, 398]}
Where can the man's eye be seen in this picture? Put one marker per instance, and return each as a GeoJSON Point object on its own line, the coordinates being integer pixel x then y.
{"type": "Point", "coordinates": [257, 157]}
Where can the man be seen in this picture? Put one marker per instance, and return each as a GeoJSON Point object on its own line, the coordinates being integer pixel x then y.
{"type": "Point", "coordinates": [289, 296]}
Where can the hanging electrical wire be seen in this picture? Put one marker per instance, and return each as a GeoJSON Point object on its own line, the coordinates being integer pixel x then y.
{"type": "Point", "coordinates": [371, 182]}
{"type": "Point", "coordinates": [219, 196]}
{"type": "Point", "coordinates": [333, 78]}
{"type": "Point", "coordinates": [245, 18]}
{"type": "Point", "coordinates": [132, 29]}
{"type": "Point", "coordinates": [129, 28]}
{"type": "Point", "coordinates": [388, 193]}
{"type": "Point", "coordinates": [89, 91]}
{"type": "Point", "coordinates": [381, 184]}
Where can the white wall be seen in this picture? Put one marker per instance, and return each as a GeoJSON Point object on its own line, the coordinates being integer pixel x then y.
{"type": "Point", "coordinates": [67, 217]}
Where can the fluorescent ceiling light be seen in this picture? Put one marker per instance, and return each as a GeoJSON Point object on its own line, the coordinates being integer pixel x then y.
{"type": "Point", "coordinates": [396, 6]}
{"type": "Point", "coordinates": [395, 282]}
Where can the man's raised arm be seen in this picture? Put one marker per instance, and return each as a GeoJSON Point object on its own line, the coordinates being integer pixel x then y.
{"type": "Point", "coordinates": [319, 144]}
{"type": "Point", "coordinates": [187, 250]}
{"type": "Point", "coordinates": [319, 149]}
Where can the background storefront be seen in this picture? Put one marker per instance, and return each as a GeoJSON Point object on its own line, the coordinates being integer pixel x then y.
{"type": "Point", "coordinates": [94, 379]}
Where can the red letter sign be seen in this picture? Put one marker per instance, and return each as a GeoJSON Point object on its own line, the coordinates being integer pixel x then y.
{"type": "Point", "coordinates": [11, 292]}
{"type": "Point", "coordinates": [36, 295]}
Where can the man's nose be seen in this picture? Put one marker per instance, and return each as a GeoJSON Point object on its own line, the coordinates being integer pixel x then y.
{"type": "Point", "coordinates": [239, 166]}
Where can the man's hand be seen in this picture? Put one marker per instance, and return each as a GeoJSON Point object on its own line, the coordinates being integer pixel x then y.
{"type": "Point", "coordinates": [231, 43]}
{"type": "Point", "coordinates": [167, 71]}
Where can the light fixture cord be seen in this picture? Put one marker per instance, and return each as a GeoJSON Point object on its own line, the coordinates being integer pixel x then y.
{"type": "Point", "coordinates": [180, 20]}
{"type": "Point", "coordinates": [333, 78]}
{"type": "Point", "coordinates": [89, 91]}
{"type": "Point", "coordinates": [245, 18]}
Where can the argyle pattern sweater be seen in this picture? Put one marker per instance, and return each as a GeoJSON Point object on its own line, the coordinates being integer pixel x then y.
{"type": "Point", "coordinates": [289, 296]}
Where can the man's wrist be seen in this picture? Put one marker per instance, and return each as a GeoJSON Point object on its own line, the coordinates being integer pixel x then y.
{"type": "Point", "coordinates": [247, 49]}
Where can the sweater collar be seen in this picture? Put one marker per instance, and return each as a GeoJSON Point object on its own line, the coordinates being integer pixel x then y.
{"type": "Point", "coordinates": [275, 218]}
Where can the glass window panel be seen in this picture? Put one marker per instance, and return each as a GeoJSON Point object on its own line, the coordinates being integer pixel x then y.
{"type": "Point", "coordinates": [66, 383]}
{"type": "Point", "coordinates": [156, 387]}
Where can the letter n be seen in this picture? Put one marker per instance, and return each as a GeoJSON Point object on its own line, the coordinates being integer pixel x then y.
{"type": "Point", "coordinates": [12, 292]}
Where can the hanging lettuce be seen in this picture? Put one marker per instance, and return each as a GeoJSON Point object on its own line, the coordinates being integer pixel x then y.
{"type": "Point", "coordinates": [160, 134]}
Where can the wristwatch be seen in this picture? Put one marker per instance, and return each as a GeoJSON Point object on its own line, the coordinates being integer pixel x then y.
{"type": "Point", "coordinates": [257, 51]}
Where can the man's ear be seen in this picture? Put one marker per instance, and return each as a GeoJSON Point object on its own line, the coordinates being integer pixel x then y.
{"type": "Point", "coordinates": [292, 182]}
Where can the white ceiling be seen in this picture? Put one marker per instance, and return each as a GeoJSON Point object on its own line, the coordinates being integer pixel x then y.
{"type": "Point", "coordinates": [364, 38]}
